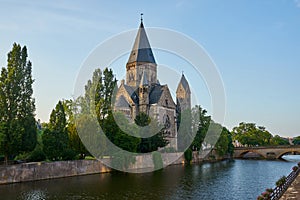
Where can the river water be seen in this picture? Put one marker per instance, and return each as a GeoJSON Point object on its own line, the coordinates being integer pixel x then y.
{"type": "Point", "coordinates": [237, 179]}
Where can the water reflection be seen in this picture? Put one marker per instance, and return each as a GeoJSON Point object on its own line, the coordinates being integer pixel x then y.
{"type": "Point", "coordinates": [34, 195]}
{"type": "Point", "coordinates": [239, 179]}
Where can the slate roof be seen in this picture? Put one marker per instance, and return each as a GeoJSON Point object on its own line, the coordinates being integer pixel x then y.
{"type": "Point", "coordinates": [155, 94]}
{"type": "Point", "coordinates": [141, 50]}
{"type": "Point", "coordinates": [184, 83]}
{"type": "Point", "coordinates": [121, 102]}
{"type": "Point", "coordinates": [132, 93]}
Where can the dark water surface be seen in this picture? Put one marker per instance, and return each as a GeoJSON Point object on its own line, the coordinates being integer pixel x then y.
{"type": "Point", "coordinates": [237, 179]}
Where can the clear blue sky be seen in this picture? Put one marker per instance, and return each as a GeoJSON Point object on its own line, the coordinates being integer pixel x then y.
{"type": "Point", "coordinates": [255, 44]}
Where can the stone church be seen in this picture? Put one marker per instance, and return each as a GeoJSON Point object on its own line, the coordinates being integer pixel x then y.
{"type": "Point", "coordinates": [142, 91]}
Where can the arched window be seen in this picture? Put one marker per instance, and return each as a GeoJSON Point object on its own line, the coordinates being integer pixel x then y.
{"type": "Point", "coordinates": [166, 121]}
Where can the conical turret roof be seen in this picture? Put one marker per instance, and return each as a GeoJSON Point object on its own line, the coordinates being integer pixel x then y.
{"type": "Point", "coordinates": [184, 83]}
{"type": "Point", "coordinates": [141, 50]}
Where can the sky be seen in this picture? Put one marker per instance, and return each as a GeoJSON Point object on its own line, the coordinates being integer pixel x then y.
{"type": "Point", "coordinates": [254, 44]}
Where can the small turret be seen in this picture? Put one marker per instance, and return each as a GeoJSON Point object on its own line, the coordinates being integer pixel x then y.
{"type": "Point", "coordinates": [144, 94]}
{"type": "Point", "coordinates": [144, 80]}
{"type": "Point", "coordinates": [183, 95]}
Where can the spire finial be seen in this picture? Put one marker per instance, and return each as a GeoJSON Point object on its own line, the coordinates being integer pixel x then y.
{"type": "Point", "coordinates": [182, 72]}
{"type": "Point", "coordinates": [142, 17]}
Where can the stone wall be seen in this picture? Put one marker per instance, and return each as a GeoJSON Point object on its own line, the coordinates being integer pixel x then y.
{"type": "Point", "coordinates": [48, 170]}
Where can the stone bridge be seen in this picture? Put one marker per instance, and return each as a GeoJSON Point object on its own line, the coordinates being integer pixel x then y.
{"type": "Point", "coordinates": [268, 152]}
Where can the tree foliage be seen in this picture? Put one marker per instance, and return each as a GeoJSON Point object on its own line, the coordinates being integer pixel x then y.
{"type": "Point", "coordinates": [197, 126]}
{"type": "Point", "coordinates": [75, 142]}
{"type": "Point", "coordinates": [202, 126]}
{"type": "Point", "coordinates": [277, 140]}
{"type": "Point", "coordinates": [296, 140]}
{"type": "Point", "coordinates": [55, 137]}
{"type": "Point", "coordinates": [224, 144]}
{"type": "Point", "coordinates": [252, 135]}
{"type": "Point", "coordinates": [17, 123]}
{"type": "Point", "coordinates": [118, 136]}
{"type": "Point", "coordinates": [152, 143]}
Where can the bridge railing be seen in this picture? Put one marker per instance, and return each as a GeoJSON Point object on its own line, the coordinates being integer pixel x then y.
{"type": "Point", "coordinates": [268, 147]}
{"type": "Point", "coordinates": [279, 190]}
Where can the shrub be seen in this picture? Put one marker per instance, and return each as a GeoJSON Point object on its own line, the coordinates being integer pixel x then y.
{"type": "Point", "coordinates": [270, 190]}
{"type": "Point", "coordinates": [298, 164]}
{"type": "Point", "coordinates": [260, 198]}
{"type": "Point", "coordinates": [295, 168]}
{"type": "Point", "coordinates": [265, 194]}
{"type": "Point", "coordinates": [37, 155]}
{"type": "Point", "coordinates": [22, 156]}
{"type": "Point", "coordinates": [69, 154]}
{"type": "Point", "coordinates": [188, 155]}
{"type": "Point", "coordinates": [281, 181]}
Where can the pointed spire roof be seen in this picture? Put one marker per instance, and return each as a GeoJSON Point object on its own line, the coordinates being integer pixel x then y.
{"type": "Point", "coordinates": [141, 50]}
{"type": "Point", "coordinates": [184, 83]}
{"type": "Point", "coordinates": [144, 80]}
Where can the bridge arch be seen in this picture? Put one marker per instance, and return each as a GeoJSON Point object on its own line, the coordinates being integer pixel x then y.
{"type": "Point", "coordinates": [287, 151]}
{"type": "Point", "coordinates": [251, 151]}
{"type": "Point", "coordinates": [268, 152]}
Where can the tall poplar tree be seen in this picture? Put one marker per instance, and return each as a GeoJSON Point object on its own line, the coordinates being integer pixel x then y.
{"type": "Point", "coordinates": [17, 122]}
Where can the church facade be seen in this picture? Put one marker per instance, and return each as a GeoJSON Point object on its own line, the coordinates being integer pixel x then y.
{"type": "Point", "coordinates": [142, 91]}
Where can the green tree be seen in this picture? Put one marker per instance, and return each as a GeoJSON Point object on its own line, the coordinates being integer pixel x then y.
{"type": "Point", "coordinates": [201, 124]}
{"type": "Point", "coordinates": [55, 138]}
{"type": "Point", "coordinates": [277, 140]}
{"type": "Point", "coordinates": [223, 144]}
{"type": "Point", "coordinates": [75, 142]}
{"type": "Point", "coordinates": [252, 135]}
{"type": "Point", "coordinates": [95, 101]}
{"type": "Point", "coordinates": [152, 143]}
{"type": "Point", "coordinates": [296, 140]}
{"type": "Point", "coordinates": [230, 143]}
{"type": "Point", "coordinates": [18, 126]}
{"type": "Point", "coordinates": [118, 136]}
{"type": "Point", "coordinates": [98, 94]}
{"type": "Point", "coordinates": [109, 82]}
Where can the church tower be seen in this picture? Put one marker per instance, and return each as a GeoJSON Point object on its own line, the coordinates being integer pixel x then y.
{"type": "Point", "coordinates": [141, 60]}
{"type": "Point", "coordinates": [183, 95]}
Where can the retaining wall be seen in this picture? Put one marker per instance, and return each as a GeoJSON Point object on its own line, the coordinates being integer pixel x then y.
{"type": "Point", "coordinates": [48, 170]}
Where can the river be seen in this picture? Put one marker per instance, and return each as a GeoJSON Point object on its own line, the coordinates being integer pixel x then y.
{"type": "Point", "coordinates": [236, 179]}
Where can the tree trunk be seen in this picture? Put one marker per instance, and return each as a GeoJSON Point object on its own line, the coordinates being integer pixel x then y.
{"type": "Point", "coordinates": [5, 159]}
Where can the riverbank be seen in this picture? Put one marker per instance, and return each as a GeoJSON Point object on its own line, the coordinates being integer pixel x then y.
{"type": "Point", "coordinates": [59, 169]}
{"type": "Point", "coordinates": [50, 170]}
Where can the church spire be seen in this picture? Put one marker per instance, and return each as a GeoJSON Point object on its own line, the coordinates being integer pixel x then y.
{"type": "Point", "coordinates": [141, 50]}
{"type": "Point", "coordinates": [141, 59]}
